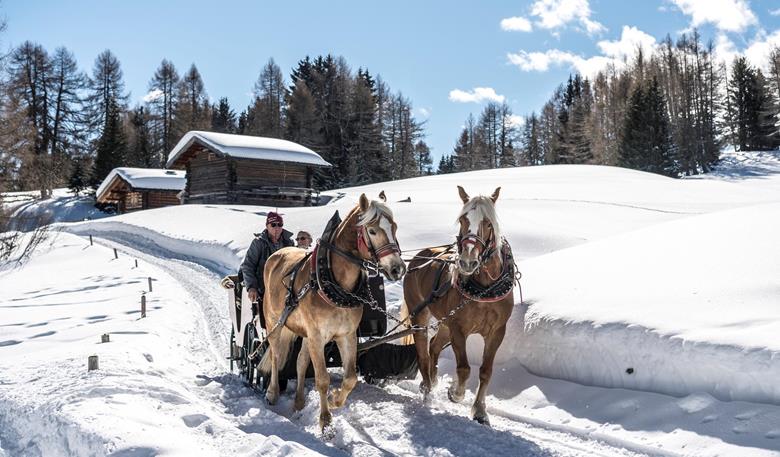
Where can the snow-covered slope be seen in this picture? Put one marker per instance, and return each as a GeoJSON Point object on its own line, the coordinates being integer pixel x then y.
{"type": "Point", "coordinates": [631, 281]}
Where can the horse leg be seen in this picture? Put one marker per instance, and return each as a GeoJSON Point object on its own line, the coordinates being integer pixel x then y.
{"type": "Point", "coordinates": [421, 344]}
{"type": "Point", "coordinates": [301, 366]}
{"type": "Point", "coordinates": [272, 394]}
{"type": "Point", "coordinates": [492, 342]}
{"type": "Point", "coordinates": [457, 390]}
{"type": "Point", "coordinates": [316, 348]}
{"type": "Point", "coordinates": [439, 340]}
{"type": "Point", "coordinates": [348, 350]}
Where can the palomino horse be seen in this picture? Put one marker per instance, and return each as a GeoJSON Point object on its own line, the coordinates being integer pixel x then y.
{"type": "Point", "coordinates": [365, 239]}
{"type": "Point", "coordinates": [474, 295]}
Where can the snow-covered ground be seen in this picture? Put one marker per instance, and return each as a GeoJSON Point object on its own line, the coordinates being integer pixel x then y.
{"type": "Point", "coordinates": [650, 326]}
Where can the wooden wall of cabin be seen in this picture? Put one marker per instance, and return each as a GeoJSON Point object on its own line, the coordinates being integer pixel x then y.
{"type": "Point", "coordinates": [207, 174]}
{"type": "Point", "coordinates": [161, 198]}
{"type": "Point", "coordinates": [253, 174]}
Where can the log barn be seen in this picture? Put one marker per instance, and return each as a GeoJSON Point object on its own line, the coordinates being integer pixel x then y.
{"type": "Point", "coordinates": [246, 170]}
{"type": "Point", "coordinates": [132, 189]}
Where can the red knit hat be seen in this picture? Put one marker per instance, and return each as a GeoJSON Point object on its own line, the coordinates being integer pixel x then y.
{"type": "Point", "coordinates": [274, 217]}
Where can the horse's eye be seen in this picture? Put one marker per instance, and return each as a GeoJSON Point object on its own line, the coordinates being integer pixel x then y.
{"type": "Point", "coordinates": [371, 232]}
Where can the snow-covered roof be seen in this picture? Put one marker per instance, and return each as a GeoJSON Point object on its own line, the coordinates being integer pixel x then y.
{"type": "Point", "coordinates": [145, 178]}
{"type": "Point", "coordinates": [248, 147]}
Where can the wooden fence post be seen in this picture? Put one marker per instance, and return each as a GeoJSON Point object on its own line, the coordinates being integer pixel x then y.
{"type": "Point", "coordinates": [92, 363]}
{"type": "Point", "coordinates": [90, 240]}
{"type": "Point", "coordinates": [150, 283]}
{"type": "Point", "coordinates": [136, 263]}
{"type": "Point", "coordinates": [105, 338]}
{"type": "Point", "coordinates": [116, 254]}
{"type": "Point", "coordinates": [143, 305]}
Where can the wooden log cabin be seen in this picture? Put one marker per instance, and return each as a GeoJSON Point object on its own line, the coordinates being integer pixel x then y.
{"type": "Point", "coordinates": [132, 189]}
{"type": "Point", "coordinates": [246, 170]}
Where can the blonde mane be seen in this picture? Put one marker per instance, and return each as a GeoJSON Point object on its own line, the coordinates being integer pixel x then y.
{"type": "Point", "coordinates": [483, 208]}
{"type": "Point", "coordinates": [375, 210]}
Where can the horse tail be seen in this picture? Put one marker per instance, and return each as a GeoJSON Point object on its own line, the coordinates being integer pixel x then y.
{"type": "Point", "coordinates": [404, 315]}
{"type": "Point", "coordinates": [286, 340]}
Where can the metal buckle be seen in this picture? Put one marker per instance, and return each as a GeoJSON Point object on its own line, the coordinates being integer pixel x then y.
{"type": "Point", "coordinates": [371, 268]}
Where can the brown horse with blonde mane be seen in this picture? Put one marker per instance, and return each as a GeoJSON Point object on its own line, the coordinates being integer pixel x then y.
{"type": "Point", "coordinates": [468, 293]}
{"type": "Point", "coordinates": [366, 239]}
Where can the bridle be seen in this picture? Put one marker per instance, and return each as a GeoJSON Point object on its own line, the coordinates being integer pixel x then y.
{"type": "Point", "coordinates": [488, 246]}
{"type": "Point", "coordinates": [366, 248]}
{"type": "Point", "coordinates": [364, 244]}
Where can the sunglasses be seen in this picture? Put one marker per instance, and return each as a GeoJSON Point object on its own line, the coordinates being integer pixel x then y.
{"type": "Point", "coordinates": [302, 238]}
{"type": "Point", "coordinates": [276, 224]}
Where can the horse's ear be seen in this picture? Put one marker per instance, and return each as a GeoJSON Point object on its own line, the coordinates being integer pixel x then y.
{"type": "Point", "coordinates": [463, 195]}
{"type": "Point", "coordinates": [363, 203]}
{"type": "Point", "coordinates": [494, 197]}
{"type": "Point", "coordinates": [382, 196]}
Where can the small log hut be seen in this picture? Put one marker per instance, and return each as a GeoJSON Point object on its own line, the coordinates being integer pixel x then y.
{"type": "Point", "coordinates": [246, 170]}
{"type": "Point", "coordinates": [132, 189]}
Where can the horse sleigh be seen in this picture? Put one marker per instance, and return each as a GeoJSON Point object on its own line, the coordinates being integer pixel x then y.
{"type": "Point", "coordinates": [334, 295]}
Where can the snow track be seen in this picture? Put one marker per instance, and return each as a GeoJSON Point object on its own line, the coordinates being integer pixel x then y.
{"type": "Point", "coordinates": [376, 421]}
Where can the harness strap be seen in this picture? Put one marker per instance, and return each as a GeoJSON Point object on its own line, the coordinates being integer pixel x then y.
{"type": "Point", "coordinates": [351, 258]}
{"type": "Point", "coordinates": [438, 291]}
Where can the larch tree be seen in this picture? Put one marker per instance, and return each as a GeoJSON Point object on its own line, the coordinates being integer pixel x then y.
{"type": "Point", "coordinates": [162, 98]}
{"type": "Point", "coordinates": [269, 106]}
{"type": "Point", "coordinates": [106, 88]}
{"type": "Point", "coordinates": [192, 104]}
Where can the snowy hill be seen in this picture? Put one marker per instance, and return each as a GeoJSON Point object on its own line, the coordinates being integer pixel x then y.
{"type": "Point", "coordinates": [631, 281]}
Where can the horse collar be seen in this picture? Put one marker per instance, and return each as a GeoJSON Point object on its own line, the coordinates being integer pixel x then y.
{"type": "Point", "coordinates": [496, 291]}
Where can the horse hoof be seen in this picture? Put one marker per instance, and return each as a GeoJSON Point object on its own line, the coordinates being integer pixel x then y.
{"type": "Point", "coordinates": [299, 404]}
{"type": "Point", "coordinates": [483, 419]}
{"type": "Point", "coordinates": [326, 424]}
{"type": "Point", "coordinates": [328, 432]}
{"type": "Point", "coordinates": [454, 396]}
{"type": "Point", "coordinates": [271, 399]}
{"type": "Point", "coordinates": [425, 389]}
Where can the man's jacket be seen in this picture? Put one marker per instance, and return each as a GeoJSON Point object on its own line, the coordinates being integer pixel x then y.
{"type": "Point", "coordinates": [259, 252]}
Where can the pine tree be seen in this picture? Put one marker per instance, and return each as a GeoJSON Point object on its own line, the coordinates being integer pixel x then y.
{"type": "Point", "coordinates": [223, 118]}
{"type": "Point", "coordinates": [303, 123]}
{"type": "Point", "coordinates": [111, 147]}
{"type": "Point", "coordinates": [446, 165]}
{"type": "Point", "coordinates": [532, 148]}
{"type": "Point", "coordinates": [140, 153]}
{"type": "Point", "coordinates": [646, 141]}
{"type": "Point", "coordinates": [80, 178]}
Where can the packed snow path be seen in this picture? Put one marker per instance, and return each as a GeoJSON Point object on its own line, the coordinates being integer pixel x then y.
{"type": "Point", "coordinates": [216, 412]}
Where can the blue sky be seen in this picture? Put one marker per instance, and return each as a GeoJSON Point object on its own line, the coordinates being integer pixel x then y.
{"type": "Point", "coordinates": [436, 53]}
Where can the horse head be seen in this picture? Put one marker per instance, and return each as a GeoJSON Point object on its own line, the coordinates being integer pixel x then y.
{"type": "Point", "coordinates": [479, 231]}
{"type": "Point", "coordinates": [377, 238]}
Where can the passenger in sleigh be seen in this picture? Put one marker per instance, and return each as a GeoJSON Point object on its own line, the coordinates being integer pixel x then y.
{"type": "Point", "coordinates": [273, 238]}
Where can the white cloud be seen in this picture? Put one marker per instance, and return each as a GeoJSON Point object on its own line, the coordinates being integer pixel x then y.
{"type": "Point", "coordinates": [614, 52]}
{"type": "Point", "coordinates": [424, 112]}
{"type": "Point", "coordinates": [152, 95]}
{"type": "Point", "coordinates": [727, 15]}
{"type": "Point", "coordinates": [478, 95]}
{"type": "Point", "coordinates": [758, 51]}
{"type": "Point", "coordinates": [775, 12]}
{"type": "Point", "coordinates": [516, 121]}
{"type": "Point", "coordinates": [554, 14]}
{"type": "Point", "coordinates": [516, 24]}
{"type": "Point", "coordinates": [630, 39]}
{"type": "Point", "coordinates": [725, 50]}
